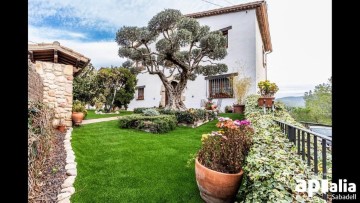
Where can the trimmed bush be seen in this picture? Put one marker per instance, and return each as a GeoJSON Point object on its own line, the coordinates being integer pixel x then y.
{"type": "Point", "coordinates": [191, 115]}
{"type": "Point", "coordinates": [153, 124]}
{"type": "Point", "coordinates": [140, 109]}
{"type": "Point", "coordinates": [150, 112]}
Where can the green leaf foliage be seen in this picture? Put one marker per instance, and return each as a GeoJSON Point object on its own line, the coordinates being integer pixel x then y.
{"type": "Point", "coordinates": [273, 165]}
{"type": "Point", "coordinates": [153, 124]}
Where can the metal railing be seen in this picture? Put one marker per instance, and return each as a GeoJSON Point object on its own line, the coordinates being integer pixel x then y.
{"type": "Point", "coordinates": [297, 136]}
{"type": "Point", "coordinates": [307, 124]}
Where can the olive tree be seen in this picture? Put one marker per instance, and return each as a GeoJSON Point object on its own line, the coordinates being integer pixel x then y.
{"type": "Point", "coordinates": [173, 45]}
{"type": "Point", "coordinates": [117, 85]}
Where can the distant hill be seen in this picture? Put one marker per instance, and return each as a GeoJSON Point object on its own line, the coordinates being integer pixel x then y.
{"type": "Point", "coordinates": [292, 101]}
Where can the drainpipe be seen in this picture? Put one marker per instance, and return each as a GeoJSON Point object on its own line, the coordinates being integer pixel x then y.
{"type": "Point", "coordinates": [265, 55]}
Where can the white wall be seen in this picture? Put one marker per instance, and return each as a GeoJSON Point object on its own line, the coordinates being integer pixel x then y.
{"type": "Point", "coordinates": [241, 53]}
{"type": "Point", "coordinates": [260, 69]}
{"type": "Point", "coordinates": [152, 91]}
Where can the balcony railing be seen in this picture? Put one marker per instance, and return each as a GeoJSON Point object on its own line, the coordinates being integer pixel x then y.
{"type": "Point", "coordinates": [307, 146]}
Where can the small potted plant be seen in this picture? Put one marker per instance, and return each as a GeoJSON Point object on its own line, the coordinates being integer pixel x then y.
{"type": "Point", "coordinates": [228, 109]}
{"type": "Point", "coordinates": [241, 88]}
{"type": "Point", "coordinates": [78, 112]}
{"type": "Point", "coordinates": [267, 91]}
{"type": "Point", "coordinates": [62, 126]}
{"type": "Point", "coordinates": [218, 165]}
{"type": "Point", "coordinates": [210, 105]}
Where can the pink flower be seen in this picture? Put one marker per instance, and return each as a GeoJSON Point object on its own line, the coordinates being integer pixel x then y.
{"type": "Point", "coordinates": [245, 122]}
{"type": "Point", "coordinates": [237, 122]}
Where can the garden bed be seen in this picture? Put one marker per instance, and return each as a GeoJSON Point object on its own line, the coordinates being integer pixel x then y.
{"type": "Point", "coordinates": [273, 164]}
{"type": "Point", "coordinates": [53, 172]}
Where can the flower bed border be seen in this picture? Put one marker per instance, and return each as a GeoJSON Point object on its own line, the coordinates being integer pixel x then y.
{"type": "Point", "coordinates": [67, 188]}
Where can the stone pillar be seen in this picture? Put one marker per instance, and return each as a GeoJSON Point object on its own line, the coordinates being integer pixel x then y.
{"type": "Point", "coordinates": [58, 84]}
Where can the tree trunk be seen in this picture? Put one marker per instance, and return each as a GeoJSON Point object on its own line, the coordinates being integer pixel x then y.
{"type": "Point", "coordinates": [174, 101]}
{"type": "Point", "coordinates": [174, 93]}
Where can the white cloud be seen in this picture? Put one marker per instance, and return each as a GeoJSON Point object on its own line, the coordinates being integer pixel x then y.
{"type": "Point", "coordinates": [301, 34]}
{"type": "Point", "coordinates": [110, 14]}
{"type": "Point", "coordinates": [102, 53]}
{"type": "Point", "coordinates": [51, 33]}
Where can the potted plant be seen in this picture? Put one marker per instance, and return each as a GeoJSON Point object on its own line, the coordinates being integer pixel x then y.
{"type": "Point", "coordinates": [228, 109]}
{"type": "Point", "coordinates": [210, 105]}
{"type": "Point", "coordinates": [241, 88]}
{"type": "Point", "coordinates": [62, 126]}
{"type": "Point", "coordinates": [218, 165]}
{"type": "Point", "coordinates": [267, 92]}
{"type": "Point", "coordinates": [78, 112]}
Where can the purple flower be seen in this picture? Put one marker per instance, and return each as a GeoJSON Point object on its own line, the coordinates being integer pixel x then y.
{"type": "Point", "coordinates": [245, 122]}
{"type": "Point", "coordinates": [221, 119]}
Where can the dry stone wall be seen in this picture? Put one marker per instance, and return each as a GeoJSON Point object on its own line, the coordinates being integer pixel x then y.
{"type": "Point", "coordinates": [57, 90]}
{"type": "Point", "coordinates": [35, 84]}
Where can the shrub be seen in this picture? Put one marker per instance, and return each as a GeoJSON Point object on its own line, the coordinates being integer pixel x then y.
{"type": "Point", "coordinates": [224, 151]}
{"type": "Point", "coordinates": [154, 124]}
{"type": "Point", "coordinates": [273, 165]}
{"type": "Point", "coordinates": [140, 109]}
{"type": "Point", "coordinates": [150, 112]}
{"type": "Point", "coordinates": [40, 132]}
{"type": "Point", "coordinates": [241, 88]}
{"type": "Point", "coordinates": [191, 115]}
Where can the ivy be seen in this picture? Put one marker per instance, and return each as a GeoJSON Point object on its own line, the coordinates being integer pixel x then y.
{"type": "Point", "coordinates": [273, 165]}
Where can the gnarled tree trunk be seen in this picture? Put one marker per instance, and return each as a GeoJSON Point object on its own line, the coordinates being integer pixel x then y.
{"type": "Point", "coordinates": [174, 94]}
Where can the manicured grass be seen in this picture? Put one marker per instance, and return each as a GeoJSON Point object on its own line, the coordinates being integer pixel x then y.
{"type": "Point", "coordinates": [126, 165]}
{"type": "Point", "coordinates": [91, 114]}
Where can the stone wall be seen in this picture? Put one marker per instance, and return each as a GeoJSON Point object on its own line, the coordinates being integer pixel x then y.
{"type": "Point", "coordinates": [57, 91]}
{"type": "Point", "coordinates": [35, 84]}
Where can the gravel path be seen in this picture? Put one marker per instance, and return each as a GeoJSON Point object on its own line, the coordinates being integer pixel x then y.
{"type": "Point", "coordinates": [84, 122]}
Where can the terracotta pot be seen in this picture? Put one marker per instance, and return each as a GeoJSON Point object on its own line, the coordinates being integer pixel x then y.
{"type": "Point", "coordinates": [217, 187]}
{"type": "Point", "coordinates": [268, 101]}
{"type": "Point", "coordinates": [77, 117]}
{"type": "Point", "coordinates": [239, 108]}
{"type": "Point", "coordinates": [62, 128]}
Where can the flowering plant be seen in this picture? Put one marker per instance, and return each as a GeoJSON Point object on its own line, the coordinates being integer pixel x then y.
{"type": "Point", "coordinates": [225, 150]}
{"type": "Point", "coordinates": [267, 88]}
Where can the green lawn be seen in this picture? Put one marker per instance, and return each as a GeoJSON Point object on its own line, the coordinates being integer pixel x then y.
{"type": "Point", "coordinates": [91, 114]}
{"type": "Point", "coordinates": [125, 165]}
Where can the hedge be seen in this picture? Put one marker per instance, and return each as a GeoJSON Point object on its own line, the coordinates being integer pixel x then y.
{"type": "Point", "coordinates": [273, 165]}
{"type": "Point", "coordinates": [191, 115]}
{"type": "Point", "coordinates": [153, 124]}
{"type": "Point", "coordinates": [141, 109]}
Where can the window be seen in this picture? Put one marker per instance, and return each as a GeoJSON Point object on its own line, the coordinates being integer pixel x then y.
{"type": "Point", "coordinates": [140, 92]}
{"type": "Point", "coordinates": [221, 86]}
{"type": "Point", "coordinates": [225, 33]}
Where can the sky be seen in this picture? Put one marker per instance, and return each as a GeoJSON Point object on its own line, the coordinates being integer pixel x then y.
{"type": "Point", "coordinates": [300, 32]}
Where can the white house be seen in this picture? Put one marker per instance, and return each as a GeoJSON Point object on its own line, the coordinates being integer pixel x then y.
{"type": "Point", "coordinates": [247, 29]}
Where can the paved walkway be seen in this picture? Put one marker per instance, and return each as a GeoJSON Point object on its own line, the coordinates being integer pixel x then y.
{"type": "Point", "coordinates": [84, 122]}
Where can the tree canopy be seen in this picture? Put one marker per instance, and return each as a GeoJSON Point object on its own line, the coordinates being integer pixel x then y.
{"type": "Point", "coordinates": [117, 85]}
{"type": "Point", "coordinates": [84, 85]}
{"type": "Point", "coordinates": [174, 47]}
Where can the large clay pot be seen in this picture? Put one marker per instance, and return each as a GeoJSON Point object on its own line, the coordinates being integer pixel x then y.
{"type": "Point", "coordinates": [77, 117]}
{"type": "Point", "coordinates": [239, 108]}
{"type": "Point", "coordinates": [217, 187]}
{"type": "Point", "coordinates": [268, 101]}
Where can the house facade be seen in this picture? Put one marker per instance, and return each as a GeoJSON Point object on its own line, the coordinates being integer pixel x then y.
{"type": "Point", "coordinates": [247, 30]}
